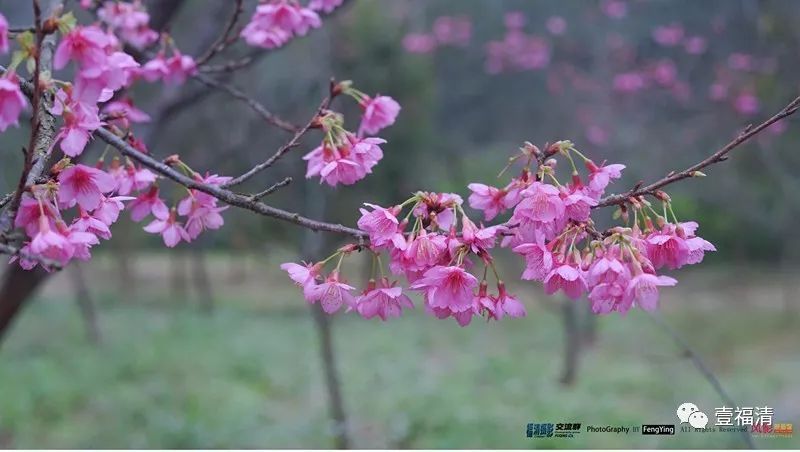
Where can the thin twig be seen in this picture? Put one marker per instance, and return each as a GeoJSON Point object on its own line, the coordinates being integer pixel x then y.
{"type": "Point", "coordinates": [283, 149]}
{"type": "Point", "coordinates": [272, 189]}
{"type": "Point", "coordinates": [716, 157]}
{"type": "Point", "coordinates": [701, 366]}
{"type": "Point", "coordinates": [224, 39]}
{"type": "Point", "coordinates": [253, 104]}
{"type": "Point", "coordinates": [223, 194]}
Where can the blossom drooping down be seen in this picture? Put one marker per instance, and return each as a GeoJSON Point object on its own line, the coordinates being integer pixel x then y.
{"type": "Point", "coordinates": [379, 112]}
{"type": "Point", "coordinates": [548, 222]}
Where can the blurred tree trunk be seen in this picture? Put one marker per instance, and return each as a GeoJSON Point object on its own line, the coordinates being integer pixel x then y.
{"type": "Point", "coordinates": [589, 337]}
{"type": "Point", "coordinates": [126, 261]}
{"type": "Point", "coordinates": [85, 303]}
{"type": "Point", "coordinates": [572, 342]}
{"type": "Point", "coordinates": [177, 276]}
{"type": "Point", "coordinates": [201, 280]}
{"type": "Point", "coordinates": [313, 242]}
{"type": "Point", "coordinates": [18, 286]}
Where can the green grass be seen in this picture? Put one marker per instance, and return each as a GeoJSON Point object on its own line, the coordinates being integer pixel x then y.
{"type": "Point", "coordinates": [169, 376]}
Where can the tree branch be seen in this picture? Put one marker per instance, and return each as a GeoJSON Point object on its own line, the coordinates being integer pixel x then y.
{"type": "Point", "coordinates": [286, 147]}
{"type": "Point", "coordinates": [254, 105]}
{"type": "Point", "coordinates": [716, 157]}
{"type": "Point", "coordinates": [273, 188]}
{"type": "Point", "coordinates": [224, 39]}
{"type": "Point", "coordinates": [224, 195]}
{"type": "Point", "coordinates": [701, 366]}
{"type": "Point", "coordinates": [43, 127]}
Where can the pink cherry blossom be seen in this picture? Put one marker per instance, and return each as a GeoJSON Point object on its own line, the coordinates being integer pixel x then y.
{"type": "Point", "coordinates": [538, 260]}
{"type": "Point", "coordinates": [502, 305]}
{"type": "Point", "coordinates": [84, 185]}
{"type": "Point", "coordinates": [80, 120]}
{"type": "Point", "coordinates": [578, 205]}
{"type": "Point", "coordinates": [304, 276]}
{"type": "Point", "coordinates": [490, 200]}
{"type": "Point", "coordinates": [384, 300]}
{"type": "Point", "coordinates": [130, 21]}
{"type": "Point", "coordinates": [109, 209]}
{"type": "Point", "coordinates": [379, 112]}
{"type": "Point", "coordinates": [381, 224]}
{"type": "Point", "coordinates": [147, 203]}
{"type": "Point", "coordinates": [540, 202]}
{"type": "Point", "coordinates": [123, 113]}
{"type": "Point", "coordinates": [447, 287]}
{"type": "Point", "coordinates": [643, 290]}
{"type": "Point", "coordinates": [601, 176]}
{"type": "Point", "coordinates": [326, 6]}
{"type": "Point", "coordinates": [425, 250]}
{"type": "Point", "coordinates": [171, 231]}
{"type": "Point", "coordinates": [30, 210]}
{"type": "Point", "coordinates": [201, 214]}
{"type": "Point", "coordinates": [50, 244]}
{"type": "Point", "coordinates": [567, 278]}
{"type": "Point", "coordinates": [275, 23]}
{"type": "Point", "coordinates": [12, 101]}
{"type": "Point", "coordinates": [667, 248]}
{"type": "Point", "coordinates": [86, 45]}
{"type": "Point", "coordinates": [345, 164]}
{"type": "Point", "coordinates": [332, 294]}
{"type": "Point", "coordinates": [88, 223]}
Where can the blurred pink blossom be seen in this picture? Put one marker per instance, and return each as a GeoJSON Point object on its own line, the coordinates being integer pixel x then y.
{"type": "Point", "coordinates": [556, 25]}
{"type": "Point", "coordinates": [419, 43]}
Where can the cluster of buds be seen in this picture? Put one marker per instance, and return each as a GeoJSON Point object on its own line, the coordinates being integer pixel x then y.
{"type": "Point", "coordinates": [433, 244]}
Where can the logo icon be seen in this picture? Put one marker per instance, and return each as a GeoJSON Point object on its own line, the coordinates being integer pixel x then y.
{"type": "Point", "coordinates": [539, 430]}
{"type": "Point", "coordinates": [689, 412]}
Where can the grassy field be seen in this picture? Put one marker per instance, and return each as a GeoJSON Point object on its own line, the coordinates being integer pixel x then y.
{"type": "Point", "coordinates": [169, 375]}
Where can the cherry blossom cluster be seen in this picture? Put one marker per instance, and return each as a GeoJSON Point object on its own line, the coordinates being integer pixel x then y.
{"type": "Point", "coordinates": [67, 215]}
{"type": "Point", "coordinates": [345, 157]}
{"type": "Point", "coordinates": [129, 21]}
{"type": "Point", "coordinates": [432, 243]}
{"type": "Point", "coordinates": [518, 50]}
{"type": "Point", "coordinates": [276, 22]}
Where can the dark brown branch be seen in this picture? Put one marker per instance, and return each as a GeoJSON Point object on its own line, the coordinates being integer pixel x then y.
{"type": "Point", "coordinates": [224, 195]}
{"type": "Point", "coordinates": [224, 39]}
{"type": "Point", "coordinates": [285, 148]}
{"type": "Point", "coordinates": [254, 105]}
{"type": "Point", "coordinates": [273, 188]}
{"type": "Point", "coordinates": [692, 171]}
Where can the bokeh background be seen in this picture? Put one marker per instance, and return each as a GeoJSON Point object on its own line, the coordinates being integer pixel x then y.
{"type": "Point", "coordinates": [209, 345]}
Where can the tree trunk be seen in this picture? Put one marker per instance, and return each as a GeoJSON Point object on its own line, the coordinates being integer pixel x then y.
{"type": "Point", "coordinates": [85, 303]}
{"type": "Point", "coordinates": [18, 286]}
{"type": "Point", "coordinates": [312, 245]}
{"type": "Point", "coordinates": [202, 281]}
{"type": "Point", "coordinates": [572, 342]}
